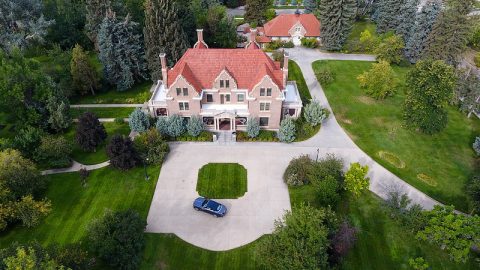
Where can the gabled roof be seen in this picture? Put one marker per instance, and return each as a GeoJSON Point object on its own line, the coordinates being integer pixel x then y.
{"type": "Point", "coordinates": [247, 67]}
{"type": "Point", "coordinates": [280, 25]}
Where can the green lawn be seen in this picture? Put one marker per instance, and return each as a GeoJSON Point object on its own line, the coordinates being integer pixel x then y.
{"type": "Point", "coordinates": [351, 45]}
{"type": "Point", "coordinates": [89, 158]}
{"type": "Point", "coordinates": [139, 93]}
{"type": "Point", "coordinates": [295, 74]}
{"type": "Point", "coordinates": [167, 251]}
{"type": "Point", "coordinates": [222, 181]}
{"type": "Point", "coordinates": [74, 207]}
{"type": "Point", "coordinates": [438, 165]}
{"type": "Point", "coordinates": [102, 112]}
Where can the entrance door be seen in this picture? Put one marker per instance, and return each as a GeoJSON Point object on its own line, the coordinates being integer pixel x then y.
{"type": "Point", "coordinates": [225, 124]}
{"type": "Point", "coordinates": [222, 99]}
{"type": "Point", "coordinates": [297, 41]}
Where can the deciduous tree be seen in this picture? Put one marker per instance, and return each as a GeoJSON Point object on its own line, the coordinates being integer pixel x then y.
{"type": "Point", "coordinates": [19, 175]}
{"type": "Point", "coordinates": [430, 87]}
{"type": "Point", "coordinates": [122, 153]}
{"type": "Point", "coordinates": [256, 10]}
{"type": "Point", "coordinates": [299, 240]}
{"type": "Point", "coordinates": [151, 147]}
{"type": "Point", "coordinates": [380, 81]}
{"type": "Point", "coordinates": [54, 151]}
{"type": "Point", "coordinates": [90, 132]}
{"type": "Point", "coordinates": [391, 49]}
{"type": "Point", "coordinates": [356, 180]}
{"type": "Point", "coordinates": [30, 212]}
{"type": "Point", "coordinates": [118, 238]}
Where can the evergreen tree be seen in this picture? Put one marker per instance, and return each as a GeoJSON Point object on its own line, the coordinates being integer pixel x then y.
{"type": "Point", "coordinates": [449, 36]}
{"type": "Point", "coordinates": [256, 10]}
{"type": "Point", "coordinates": [163, 34]}
{"type": "Point", "coordinates": [388, 15]}
{"type": "Point", "coordinates": [22, 23]}
{"type": "Point", "coordinates": [195, 126]}
{"type": "Point", "coordinates": [287, 130]}
{"type": "Point", "coordinates": [407, 19]}
{"type": "Point", "coordinates": [337, 17]}
{"type": "Point", "coordinates": [467, 92]}
{"type": "Point", "coordinates": [176, 126]}
{"type": "Point", "coordinates": [139, 121]}
{"type": "Point", "coordinates": [253, 127]}
{"type": "Point", "coordinates": [96, 12]}
{"type": "Point", "coordinates": [162, 126]}
{"type": "Point", "coordinates": [90, 132]}
{"type": "Point", "coordinates": [85, 77]}
{"type": "Point", "coordinates": [310, 5]}
{"type": "Point", "coordinates": [121, 52]}
{"type": "Point", "coordinates": [430, 87]}
{"type": "Point", "coordinates": [314, 114]}
{"type": "Point", "coordinates": [421, 29]}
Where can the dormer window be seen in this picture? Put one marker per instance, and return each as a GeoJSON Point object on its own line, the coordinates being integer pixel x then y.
{"type": "Point", "coordinates": [298, 29]}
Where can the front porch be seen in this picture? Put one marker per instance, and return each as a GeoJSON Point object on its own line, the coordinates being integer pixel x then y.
{"type": "Point", "coordinates": [225, 122]}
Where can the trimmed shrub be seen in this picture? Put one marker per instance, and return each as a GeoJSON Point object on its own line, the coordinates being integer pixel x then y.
{"type": "Point", "coordinates": [139, 121]}
{"type": "Point", "coordinates": [327, 191]}
{"type": "Point", "coordinates": [314, 114]}
{"type": "Point", "coordinates": [356, 180]}
{"type": "Point", "coordinates": [310, 42]}
{"type": "Point", "coordinates": [119, 120]}
{"type": "Point", "coordinates": [298, 170]}
{"type": "Point", "coordinates": [253, 127]}
{"type": "Point", "coordinates": [325, 76]}
{"type": "Point", "coordinates": [195, 126]}
{"type": "Point", "coordinates": [287, 130]}
{"type": "Point", "coordinates": [325, 167]}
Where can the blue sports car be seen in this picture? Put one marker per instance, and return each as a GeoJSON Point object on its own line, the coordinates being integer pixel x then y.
{"type": "Point", "coordinates": [210, 206]}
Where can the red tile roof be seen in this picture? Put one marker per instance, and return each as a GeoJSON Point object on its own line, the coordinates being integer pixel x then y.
{"type": "Point", "coordinates": [263, 39]}
{"type": "Point", "coordinates": [280, 25]}
{"type": "Point", "coordinates": [247, 67]}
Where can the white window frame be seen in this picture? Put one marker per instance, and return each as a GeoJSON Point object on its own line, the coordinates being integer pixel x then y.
{"type": "Point", "coordinates": [260, 123]}
{"type": "Point", "coordinates": [264, 92]}
{"type": "Point", "coordinates": [209, 95]}
{"type": "Point", "coordinates": [243, 97]}
{"type": "Point", "coordinates": [266, 106]}
{"type": "Point", "coordinates": [182, 107]}
{"type": "Point", "coordinates": [179, 91]}
{"type": "Point", "coordinates": [185, 92]}
{"type": "Point", "coordinates": [267, 94]}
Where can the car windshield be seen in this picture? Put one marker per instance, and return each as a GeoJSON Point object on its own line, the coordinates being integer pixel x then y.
{"type": "Point", "coordinates": [213, 205]}
{"type": "Point", "coordinates": [204, 203]}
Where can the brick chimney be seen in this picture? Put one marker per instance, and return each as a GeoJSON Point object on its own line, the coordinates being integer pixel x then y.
{"type": "Point", "coordinates": [285, 67]}
{"type": "Point", "coordinates": [200, 44]}
{"type": "Point", "coordinates": [253, 35]}
{"type": "Point", "coordinates": [163, 60]}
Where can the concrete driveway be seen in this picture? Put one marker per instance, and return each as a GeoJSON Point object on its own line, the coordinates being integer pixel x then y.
{"type": "Point", "coordinates": [249, 217]}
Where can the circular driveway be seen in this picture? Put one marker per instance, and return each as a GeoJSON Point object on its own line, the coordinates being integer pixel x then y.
{"type": "Point", "coordinates": [249, 216]}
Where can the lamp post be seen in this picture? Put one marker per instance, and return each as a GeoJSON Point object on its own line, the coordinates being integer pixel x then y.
{"type": "Point", "coordinates": [318, 150]}
{"type": "Point", "coordinates": [145, 169]}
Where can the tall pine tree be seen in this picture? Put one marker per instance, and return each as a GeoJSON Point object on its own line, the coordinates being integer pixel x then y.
{"type": "Point", "coordinates": [310, 5]}
{"type": "Point", "coordinates": [163, 34]}
{"type": "Point", "coordinates": [407, 19]}
{"type": "Point", "coordinates": [449, 36]}
{"type": "Point", "coordinates": [387, 14]}
{"type": "Point", "coordinates": [423, 26]}
{"type": "Point", "coordinates": [96, 11]}
{"type": "Point", "coordinates": [256, 10]}
{"type": "Point", "coordinates": [121, 52]}
{"type": "Point", "coordinates": [337, 17]}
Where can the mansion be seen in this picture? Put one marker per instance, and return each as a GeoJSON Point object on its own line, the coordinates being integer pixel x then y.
{"type": "Point", "coordinates": [226, 87]}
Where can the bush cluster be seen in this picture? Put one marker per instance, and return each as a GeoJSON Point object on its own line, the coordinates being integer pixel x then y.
{"type": "Point", "coordinates": [277, 44]}
{"type": "Point", "coordinates": [309, 42]}
{"type": "Point", "coordinates": [325, 76]}
{"type": "Point", "coordinates": [176, 127]}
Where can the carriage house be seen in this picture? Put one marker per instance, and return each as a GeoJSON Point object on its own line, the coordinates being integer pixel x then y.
{"type": "Point", "coordinates": [225, 87]}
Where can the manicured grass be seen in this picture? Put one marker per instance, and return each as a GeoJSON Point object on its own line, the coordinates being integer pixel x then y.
{"type": "Point", "coordinates": [350, 45]}
{"type": "Point", "coordinates": [139, 93]}
{"type": "Point", "coordinates": [103, 112]}
{"type": "Point", "coordinates": [74, 207]}
{"type": "Point", "coordinates": [167, 251]}
{"type": "Point", "coordinates": [222, 181]}
{"type": "Point", "coordinates": [375, 126]}
{"type": "Point", "coordinates": [99, 156]}
{"type": "Point", "coordinates": [295, 74]}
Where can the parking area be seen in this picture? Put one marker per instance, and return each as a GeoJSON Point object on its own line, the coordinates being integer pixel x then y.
{"type": "Point", "coordinates": [249, 217]}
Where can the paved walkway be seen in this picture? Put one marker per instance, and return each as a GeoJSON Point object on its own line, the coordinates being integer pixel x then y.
{"type": "Point", "coordinates": [105, 105]}
{"type": "Point", "coordinates": [253, 215]}
{"type": "Point", "coordinates": [76, 167]}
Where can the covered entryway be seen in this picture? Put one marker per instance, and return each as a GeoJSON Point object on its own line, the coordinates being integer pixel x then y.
{"type": "Point", "coordinates": [225, 124]}
{"type": "Point", "coordinates": [297, 40]}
